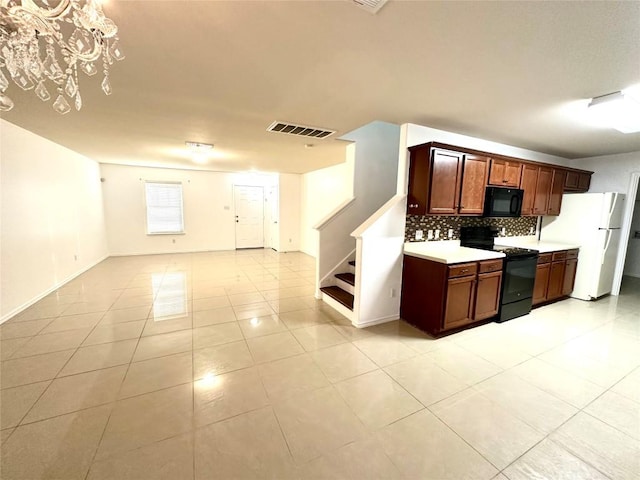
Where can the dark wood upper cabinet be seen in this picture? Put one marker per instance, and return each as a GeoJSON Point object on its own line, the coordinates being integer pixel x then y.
{"type": "Point", "coordinates": [474, 178]}
{"type": "Point", "coordinates": [449, 180]}
{"type": "Point", "coordinates": [584, 181]}
{"type": "Point", "coordinates": [557, 189]}
{"type": "Point", "coordinates": [577, 181]}
{"type": "Point", "coordinates": [446, 178]}
{"type": "Point", "coordinates": [505, 173]}
{"type": "Point", "coordinates": [543, 190]}
{"type": "Point", "coordinates": [418, 181]}
{"type": "Point", "coordinates": [528, 184]}
{"type": "Point", "coordinates": [571, 182]}
{"type": "Point", "coordinates": [445, 182]}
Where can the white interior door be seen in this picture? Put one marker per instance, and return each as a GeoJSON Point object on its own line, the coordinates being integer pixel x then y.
{"type": "Point", "coordinates": [249, 206]}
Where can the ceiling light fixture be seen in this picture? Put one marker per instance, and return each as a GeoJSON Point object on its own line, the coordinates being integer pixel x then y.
{"type": "Point", "coordinates": [32, 39]}
{"type": "Point", "coordinates": [618, 110]}
{"type": "Point", "coordinates": [199, 151]}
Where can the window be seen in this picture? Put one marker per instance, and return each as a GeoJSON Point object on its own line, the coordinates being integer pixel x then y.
{"type": "Point", "coordinates": [164, 207]}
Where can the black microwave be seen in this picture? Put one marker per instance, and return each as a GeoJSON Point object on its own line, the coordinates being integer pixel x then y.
{"type": "Point", "coordinates": [503, 202]}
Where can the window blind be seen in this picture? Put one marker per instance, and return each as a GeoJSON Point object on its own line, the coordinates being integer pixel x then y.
{"type": "Point", "coordinates": [164, 207]}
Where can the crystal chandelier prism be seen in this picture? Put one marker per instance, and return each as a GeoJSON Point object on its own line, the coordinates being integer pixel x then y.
{"type": "Point", "coordinates": [43, 43]}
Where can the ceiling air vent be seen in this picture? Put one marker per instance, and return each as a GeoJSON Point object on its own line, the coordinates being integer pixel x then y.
{"type": "Point", "coordinates": [299, 130]}
{"type": "Point", "coordinates": [371, 6]}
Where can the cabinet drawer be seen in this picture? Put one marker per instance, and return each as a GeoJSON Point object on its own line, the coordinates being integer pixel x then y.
{"type": "Point", "coordinates": [544, 258]}
{"type": "Point", "coordinates": [572, 253]}
{"type": "Point", "coordinates": [490, 266]}
{"type": "Point", "coordinates": [463, 269]}
{"type": "Point", "coordinates": [559, 256]}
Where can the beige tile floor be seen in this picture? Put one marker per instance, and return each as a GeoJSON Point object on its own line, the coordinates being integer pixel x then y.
{"type": "Point", "coordinates": [223, 366]}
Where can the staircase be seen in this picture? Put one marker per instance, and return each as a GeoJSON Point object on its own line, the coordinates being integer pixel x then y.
{"type": "Point", "coordinates": [343, 291]}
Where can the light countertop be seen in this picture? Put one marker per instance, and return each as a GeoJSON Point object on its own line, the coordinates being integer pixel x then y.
{"type": "Point", "coordinates": [533, 243]}
{"type": "Point", "coordinates": [448, 252]}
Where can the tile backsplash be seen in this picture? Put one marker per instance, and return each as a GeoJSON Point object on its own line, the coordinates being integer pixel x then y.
{"type": "Point", "coordinates": [513, 226]}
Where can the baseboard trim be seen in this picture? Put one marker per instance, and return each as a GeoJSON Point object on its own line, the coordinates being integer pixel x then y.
{"type": "Point", "coordinates": [377, 321]}
{"type": "Point", "coordinates": [39, 297]}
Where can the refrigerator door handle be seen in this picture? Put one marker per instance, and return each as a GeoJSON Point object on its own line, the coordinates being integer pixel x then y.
{"type": "Point", "coordinates": [614, 201]}
{"type": "Point", "coordinates": [606, 245]}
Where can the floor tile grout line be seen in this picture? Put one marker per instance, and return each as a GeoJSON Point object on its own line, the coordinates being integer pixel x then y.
{"type": "Point", "coordinates": [54, 378]}
{"type": "Point", "coordinates": [111, 410]}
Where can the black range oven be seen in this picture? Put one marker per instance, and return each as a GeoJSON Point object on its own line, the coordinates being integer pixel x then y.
{"type": "Point", "coordinates": [518, 275]}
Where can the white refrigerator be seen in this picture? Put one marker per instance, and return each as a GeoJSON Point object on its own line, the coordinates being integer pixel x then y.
{"type": "Point", "coordinates": [591, 220]}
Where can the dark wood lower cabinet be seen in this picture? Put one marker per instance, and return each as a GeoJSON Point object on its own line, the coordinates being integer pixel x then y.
{"type": "Point", "coordinates": [437, 297]}
{"type": "Point", "coordinates": [570, 267]}
{"type": "Point", "coordinates": [459, 303]}
{"type": "Point", "coordinates": [488, 295]}
{"type": "Point", "coordinates": [542, 283]}
{"type": "Point", "coordinates": [555, 276]}
{"type": "Point", "coordinates": [556, 279]}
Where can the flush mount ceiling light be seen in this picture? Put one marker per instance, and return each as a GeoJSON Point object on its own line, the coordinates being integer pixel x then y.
{"type": "Point", "coordinates": [372, 6]}
{"type": "Point", "coordinates": [33, 38]}
{"type": "Point", "coordinates": [617, 110]}
{"type": "Point", "coordinates": [199, 151]}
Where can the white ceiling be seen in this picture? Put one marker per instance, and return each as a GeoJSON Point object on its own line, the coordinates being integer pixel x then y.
{"type": "Point", "coordinates": [222, 71]}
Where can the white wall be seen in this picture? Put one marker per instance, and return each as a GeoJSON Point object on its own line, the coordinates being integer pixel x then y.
{"type": "Point", "coordinates": [289, 231]}
{"type": "Point", "coordinates": [209, 215]}
{"type": "Point", "coordinates": [379, 264]}
{"type": "Point", "coordinates": [321, 192]}
{"type": "Point", "coordinates": [51, 223]}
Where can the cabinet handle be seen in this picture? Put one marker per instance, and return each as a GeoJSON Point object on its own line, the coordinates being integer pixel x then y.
{"type": "Point", "coordinates": [464, 271]}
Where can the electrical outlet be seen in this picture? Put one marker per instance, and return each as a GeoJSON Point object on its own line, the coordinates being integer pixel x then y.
{"type": "Point", "coordinates": [75, 257]}
{"type": "Point", "coordinates": [450, 233]}
{"type": "Point", "coordinates": [419, 234]}
{"type": "Point", "coordinates": [392, 293]}
{"type": "Point", "coordinates": [429, 234]}
{"type": "Point", "coordinates": [437, 234]}
{"type": "Point", "coordinates": [173, 240]}
{"type": "Point", "coordinates": [503, 231]}
{"type": "Point", "coordinates": [532, 231]}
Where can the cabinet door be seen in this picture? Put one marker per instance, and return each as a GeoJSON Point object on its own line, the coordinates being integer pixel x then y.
{"type": "Point", "coordinates": [542, 283]}
{"type": "Point", "coordinates": [513, 170]}
{"type": "Point", "coordinates": [543, 191]}
{"type": "Point", "coordinates": [446, 170]}
{"type": "Point", "coordinates": [488, 295]}
{"type": "Point", "coordinates": [556, 278]}
{"type": "Point", "coordinates": [528, 184]}
{"type": "Point", "coordinates": [570, 267]}
{"type": "Point", "coordinates": [571, 182]}
{"type": "Point", "coordinates": [584, 181]}
{"type": "Point", "coordinates": [497, 172]}
{"type": "Point", "coordinates": [474, 180]}
{"type": "Point", "coordinates": [557, 189]}
{"type": "Point", "coordinates": [418, 181]}
{"type": "Point", "coordinates": [459, 301]}
{"type": "Point", "coordinates": [504, 173]}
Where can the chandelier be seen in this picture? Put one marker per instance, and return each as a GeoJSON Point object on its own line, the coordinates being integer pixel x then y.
{"type": "Point", "coordinates": [44, 42]}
